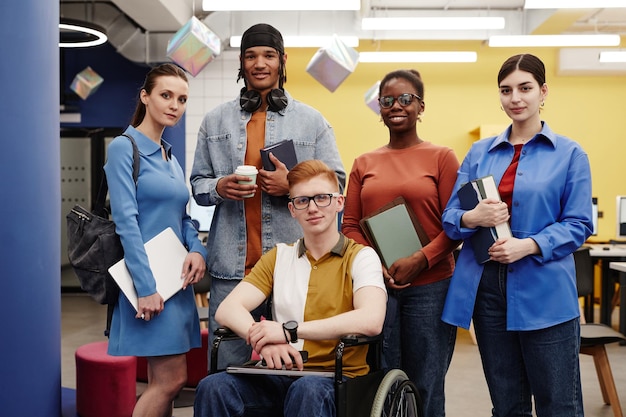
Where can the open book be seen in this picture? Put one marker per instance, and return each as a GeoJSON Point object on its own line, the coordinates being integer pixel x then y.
{"type": "Point", "coordinates": [166, 255]}
{"type": "Point", "coordinates": [394, 231]}
{"type": "Point", "coordinates": [469, 195]}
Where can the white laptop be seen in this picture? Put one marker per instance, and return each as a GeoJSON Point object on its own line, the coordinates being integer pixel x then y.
{"type": "Point", "coordinates": [264, 370]}
{"type": "Point", "coordinates": [166, 255]}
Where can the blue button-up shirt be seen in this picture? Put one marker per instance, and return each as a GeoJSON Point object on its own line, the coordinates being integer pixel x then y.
{"type": "Point", "coordinates": [551, 204]}
{"type": "Point", "coordinates": [221, 148]}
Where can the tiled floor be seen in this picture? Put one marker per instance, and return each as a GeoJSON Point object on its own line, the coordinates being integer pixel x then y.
{"type": "Point", "coordinates": [83, 321]}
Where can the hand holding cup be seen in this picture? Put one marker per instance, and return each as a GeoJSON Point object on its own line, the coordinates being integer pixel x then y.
{"type": "Point", "coordinates": [249, 171]}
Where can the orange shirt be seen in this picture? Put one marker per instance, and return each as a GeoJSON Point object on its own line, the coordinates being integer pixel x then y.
{"type": "Point", "coordinates": [255, 131]}
{"type": "Point", "coordinates": [424, 175]}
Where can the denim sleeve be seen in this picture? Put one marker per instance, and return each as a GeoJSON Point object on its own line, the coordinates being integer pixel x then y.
{"type": "Point", "coordinates": [203, 179]}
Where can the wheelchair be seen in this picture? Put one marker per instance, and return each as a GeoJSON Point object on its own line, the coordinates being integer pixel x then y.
{"type": "Point", "coordinates": [380, 393]}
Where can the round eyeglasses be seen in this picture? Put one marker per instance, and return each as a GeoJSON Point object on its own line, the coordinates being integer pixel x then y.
{"type": "Point", "coordinates": [321, 200]}
{"type": "Point", "coordinates": [404, 100]}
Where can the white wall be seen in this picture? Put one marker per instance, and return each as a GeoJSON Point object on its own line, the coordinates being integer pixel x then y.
{"type": "Point", "coordinates": [215, 84]}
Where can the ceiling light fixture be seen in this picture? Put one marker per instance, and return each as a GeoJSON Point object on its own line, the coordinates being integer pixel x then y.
{"type": "Point", "coordinates": [432, 23]}
{"type": "Point", "coordinates": [305, 41]}
{"type": "Point", "coordinates": [423, 56]}
{"type": "Point", "coordinates": [574, 4]}
{"type": "Point", "coordinates": [80, 34]}
{"type": "Point", "coordinates": [530, 41]}
{"type": "Point", "coordinates": [613, 56]}
{"type": "Point", "coordinates": [279, 5]}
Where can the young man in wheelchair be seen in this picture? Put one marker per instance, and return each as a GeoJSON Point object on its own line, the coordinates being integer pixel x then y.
{"type": "Point", "coordinates": [323, 286]}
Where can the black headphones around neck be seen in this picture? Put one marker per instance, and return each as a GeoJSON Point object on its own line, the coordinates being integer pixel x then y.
{"type": "Point", "coordinates": [250, 100]}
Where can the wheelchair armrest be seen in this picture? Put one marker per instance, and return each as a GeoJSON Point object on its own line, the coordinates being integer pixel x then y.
{"type": "Point", "coordinates": [357, 339]}
{"type": "Point", "coordinates": [221, 334]}
{"type": "Point", "coordinates": [224, 332]}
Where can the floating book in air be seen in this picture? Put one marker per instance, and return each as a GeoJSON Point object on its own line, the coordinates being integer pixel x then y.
{"type": "Point", "coordinates": [469, 196]}
{"type": "Point", "coordinates": [166, 255]}
{"type": "Point", "coordinates": [283, 150]}
{"type": "Point", "coordinates": [394, 231]}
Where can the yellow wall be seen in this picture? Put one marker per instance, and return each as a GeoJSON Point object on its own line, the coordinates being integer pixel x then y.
{"type": "Point", "coordinates": [462, 96]}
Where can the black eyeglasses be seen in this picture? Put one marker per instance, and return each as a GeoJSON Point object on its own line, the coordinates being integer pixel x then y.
{"type": "Point", "coordinates": [321, 200]}
{"type": "Point", "coordinates": [404, 100]}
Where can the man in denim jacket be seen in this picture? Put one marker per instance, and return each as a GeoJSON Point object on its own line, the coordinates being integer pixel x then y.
{"type": "Point", "coordinates": [233, 134]}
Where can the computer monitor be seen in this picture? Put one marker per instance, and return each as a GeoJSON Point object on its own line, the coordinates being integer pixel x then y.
{"type": "Point", "coordinates": [202, 214]}
{"type": "Point", "coordinates": [594, 215]}
{"type": "Point", "coordinates": [620, 218]}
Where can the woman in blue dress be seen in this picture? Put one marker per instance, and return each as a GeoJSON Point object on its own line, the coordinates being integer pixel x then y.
{"type": "Point", "coordinates": [161, 332]}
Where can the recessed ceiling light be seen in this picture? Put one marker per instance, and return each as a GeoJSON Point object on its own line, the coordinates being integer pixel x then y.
{"type": "Point", "coordinates": [421, 56]}
{"type": "Point", "coordinates": [433, 23]}
{"type": "Point", "coordinates": [553, 40]}
{"type": "Point", "coordinates": [279, 5]}
{"type": "Point", "coordinates": [574, 4]}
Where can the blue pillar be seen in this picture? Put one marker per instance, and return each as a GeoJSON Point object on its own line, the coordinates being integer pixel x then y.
{"type": "Point", "coordinates": [30, 312]}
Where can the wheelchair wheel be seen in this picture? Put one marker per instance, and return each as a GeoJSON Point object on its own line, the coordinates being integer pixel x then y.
{"type": "Point", "coordinates": [396, 396]}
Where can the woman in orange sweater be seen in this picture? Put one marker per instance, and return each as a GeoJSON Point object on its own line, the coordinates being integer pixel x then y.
{"type": "Point", "coordinates": [415, 338]}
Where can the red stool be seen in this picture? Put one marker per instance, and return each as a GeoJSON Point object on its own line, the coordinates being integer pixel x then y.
{"type": "Point", "coordinates": [197, 363]}
{"type": "Point", "coordinates": [105, 384]}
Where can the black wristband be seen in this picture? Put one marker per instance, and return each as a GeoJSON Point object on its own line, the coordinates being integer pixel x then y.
{"type": "Point", "coordinates": [286, 336]}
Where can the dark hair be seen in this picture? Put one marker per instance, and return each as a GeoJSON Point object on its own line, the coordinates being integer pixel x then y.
{"type": "Point", "coordinates": [411, 75]}
{"type": "Point", "coordinates": [263, 34]}
{"type": "Point", "coordinates": [149, 83]}
{"type": "Point", "coordinates": [523, 62]}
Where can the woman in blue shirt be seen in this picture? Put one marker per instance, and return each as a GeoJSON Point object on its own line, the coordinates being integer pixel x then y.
{"type": "Point", "coordinates": [162, 332]}
{"type": "Point", "coordinates": [524, 301]}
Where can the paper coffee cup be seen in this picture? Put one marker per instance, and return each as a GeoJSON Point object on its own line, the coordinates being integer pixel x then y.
{"type": "Point", "coordinates": [247, 171]}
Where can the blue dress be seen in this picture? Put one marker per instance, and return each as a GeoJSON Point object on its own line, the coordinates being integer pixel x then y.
{"type": "Point", "coordinates": [141, 212]}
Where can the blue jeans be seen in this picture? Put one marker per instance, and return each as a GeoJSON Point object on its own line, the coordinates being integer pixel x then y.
{"type": "Point", "coordinates": [418, 342]}
{"type": "Point", "coordinates": [230, 395]}
{"type": "Point", "coordinates": [232, 352]}
{"type": "Point", "coordinates": [518, 365]}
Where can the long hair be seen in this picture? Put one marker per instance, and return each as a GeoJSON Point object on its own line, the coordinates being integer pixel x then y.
{"type": "Point", "coordinates": [149, 83]}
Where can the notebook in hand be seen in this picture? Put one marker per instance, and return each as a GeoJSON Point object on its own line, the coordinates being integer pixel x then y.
{"type": "Point", "coordinates": [166, 255]}
{"type": "Point", "coordinates": [394, 231]}
{"type": "Point", "coordinates": [283, 150]}
{"type": "Point", "coordinates": [469, 195]}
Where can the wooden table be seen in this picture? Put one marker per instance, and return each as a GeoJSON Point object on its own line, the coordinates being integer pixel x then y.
{"type": "Point", "coordinates": [621, 268]}
{"type": "Point", "coordinates": [607, 254]}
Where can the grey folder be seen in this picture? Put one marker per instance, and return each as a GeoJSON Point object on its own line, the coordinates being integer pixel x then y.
{"type": "Point", "coordinates": [393, 230]}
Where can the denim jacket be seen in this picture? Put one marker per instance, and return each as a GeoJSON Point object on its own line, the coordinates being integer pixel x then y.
{"type": "Point", "coordinates": [221, 148]}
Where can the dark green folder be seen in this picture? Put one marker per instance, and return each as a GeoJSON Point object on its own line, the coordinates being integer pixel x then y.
{"type": "Point", "coordinates": [394, 231]}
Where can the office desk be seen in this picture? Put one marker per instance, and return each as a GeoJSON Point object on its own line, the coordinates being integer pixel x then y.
{"type": "Point", "coordinates": [621, 267]}
{"type": "Point", "coordinates": [607, 253]}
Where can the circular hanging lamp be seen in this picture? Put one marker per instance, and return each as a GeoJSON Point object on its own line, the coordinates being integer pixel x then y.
{"type": "Point", "coordinates": [80, 34]}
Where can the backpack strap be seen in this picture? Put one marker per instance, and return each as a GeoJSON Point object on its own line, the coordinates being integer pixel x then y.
{"type": "Point", "coordinates": [135, 157]}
